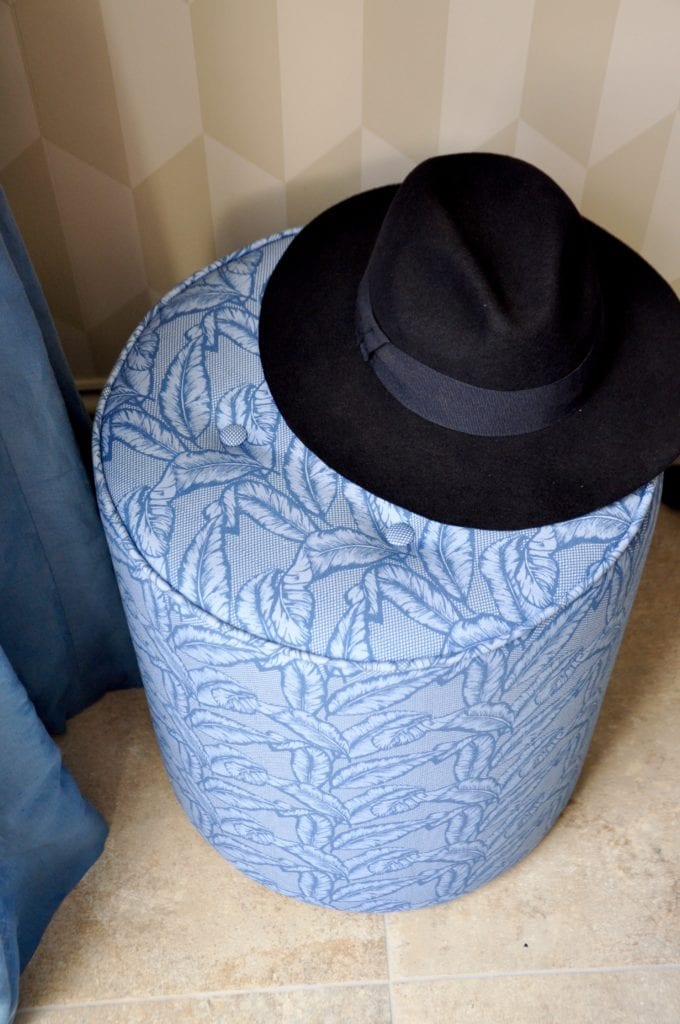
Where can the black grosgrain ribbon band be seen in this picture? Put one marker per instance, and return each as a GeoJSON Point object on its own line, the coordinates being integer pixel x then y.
{"type": "Point", "coordinates": [452, 403]}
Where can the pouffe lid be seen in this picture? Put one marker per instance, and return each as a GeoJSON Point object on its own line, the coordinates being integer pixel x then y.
{"type": "Point", "coordinates": [225, 504]}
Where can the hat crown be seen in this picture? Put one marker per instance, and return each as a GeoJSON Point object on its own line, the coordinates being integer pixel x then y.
{"type": "Point", "coordinates": [482, 271]}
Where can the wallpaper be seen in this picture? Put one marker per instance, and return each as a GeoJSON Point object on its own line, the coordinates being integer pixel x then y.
{"type": "Point", "coordinates": [140, 139]}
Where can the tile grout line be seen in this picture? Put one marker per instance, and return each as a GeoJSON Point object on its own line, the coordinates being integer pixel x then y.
{"type": "Point", "coordinates": [388, 958]}
{"type": "Point", "coordinates": [368, 983]}
{"type": "Point", "coordinates": [209, 994]}
{"type": "Point", "coordinates": [540, 971]}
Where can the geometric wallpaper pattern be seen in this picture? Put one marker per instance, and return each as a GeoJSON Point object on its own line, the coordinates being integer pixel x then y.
{"type": "Point", "coordinates": [140, 139]}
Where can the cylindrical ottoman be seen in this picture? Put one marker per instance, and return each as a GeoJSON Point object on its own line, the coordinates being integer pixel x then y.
{"type": "Point", "coordinates": [356, 706]}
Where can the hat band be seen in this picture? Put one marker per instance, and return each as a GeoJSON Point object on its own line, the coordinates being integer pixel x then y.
{"type": "Point", "coordinates": [451, 403]}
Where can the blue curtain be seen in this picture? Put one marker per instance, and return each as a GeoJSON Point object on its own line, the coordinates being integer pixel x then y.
{"type": "Point", "coordinates": [63, 637]}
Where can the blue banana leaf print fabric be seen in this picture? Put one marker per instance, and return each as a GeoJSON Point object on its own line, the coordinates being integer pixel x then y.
{"type": "Point", "coordinates": [357, 706]}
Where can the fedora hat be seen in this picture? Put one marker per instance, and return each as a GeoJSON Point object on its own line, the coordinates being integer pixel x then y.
{"type": "Point", "coordinates": [466, 345]}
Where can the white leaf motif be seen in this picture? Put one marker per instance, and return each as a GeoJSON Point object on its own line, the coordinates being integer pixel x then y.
{"type": "Point", "coordinates": [150, 521]}
{"type": "Point", "coordinates": [252, 408]}
{"type": "Point", "coordinates": [330, 550]}
{"type": "Point", "coordinates": [239, 272]}
{"type": "Point", "coordinates": [312, 729]}
{"type": "Point", "coordinates": [315, 886]}
{"type": "Point", "coordinates": [374, 694]}
{"type": "Point", "coordinates": [200, 297]}
{"type": "Point", "coordinates": [470, 632]}
{"type": "Point", "coordinates": [385, 801]}
{"type": "Point", "coordinates": [492, 717]}
{"type": "Point", "coordinates": [605, 524]}
{"type": "Point", "coordinates": [223, 692]}
{"type": "Point", "coordinates": [239, 768]}
{"type": "Point", "coordinates": [350, 639]}
{"type": "Point", "coordinates": [417, 598]}
{"type": "Point", "coordinates": [448, 553]}
{"type": "Point", "coordinates": [210, 647]}
{"type": "Point", "coordinates": [145, 434]}
{"type": "Point", "coordinates": [223, 729]}
{"type": "Point", "coordinates": [529, 571]}
{"type": "Point", "coordinates": [534, 568]}
{"type": "Point", "coordinates": [138, 366]}
{"type": "Point", "coordinates": [374, 771]}
{"type": "Point", "coordinates": [238, 326]}
{"type": "Point", "coordinates": [485, 677]}
{"type": "Point", "coordinates": [314, 830]}
{"type": "Point", "coordinates": [225, 509]}
{"type": "Point", "coordinates": [362, 513]}
{"type": "Point", "coordinates": [274, 511]}
{"type": "Point", "coordinates": [311, 766]}
{"type": "Point", "coordinates": [312, 482]}
{"type": "Point", "coordinates": [475, 758]}
{"type": "Point", "coordinates": [207, 468]}
{"type": "Point", "coordinates": [496, 572]}
{"type": "Point", "coordinates": [271, 604]}
{"type": "Point", "coordinates": [204, 573]}
{"type": "Point", "coordinates": [304, 687]}
{"type": "Point", "coordinates": [402, 730]}
{"type": "Point", "coordinates": [185, 391]}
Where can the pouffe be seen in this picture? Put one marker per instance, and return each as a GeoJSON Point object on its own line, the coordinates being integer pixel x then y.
{"type": "Point", "coordinates": [356, 706]}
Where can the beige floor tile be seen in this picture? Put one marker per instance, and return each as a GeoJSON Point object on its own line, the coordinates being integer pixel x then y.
{"type": "Point", "coordinates": [161, 913]}
{"type": "Point", "coordinates": [631, 997]}
{"type": "Point", "coordinates": [602, 889]}
{"type": "Point", "coordinates": [351, 1005]}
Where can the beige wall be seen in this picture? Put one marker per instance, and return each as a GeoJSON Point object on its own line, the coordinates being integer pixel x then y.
{"type": "Point", "coordinates": [141, 138]}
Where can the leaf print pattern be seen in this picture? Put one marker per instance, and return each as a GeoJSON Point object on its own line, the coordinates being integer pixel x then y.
{"type": "Point", "coordinates": [356, 724]}
{"type": "Point", "coordinates": [252, 408]}
{"type": "Point", "coordinates": [605, 524]}
{"type": "Point", "coordinates": [138, 370]}
{"type": "Point", "coordinates": [331, 550]}
{"type": "Point", "coordinates": [145, 434]}
{"type": "Point", "coordinates": [350, 641]}
{"type": "Point", "coordinates": [420, 599]}
{"type": "Point", "coordinates": [203, 644]}
{"type": "Point", "coordinates": [309, 480]}
{"type": "Point", "coordinates": [238, 326]}
{"type": "Point", "coordinates": [274, 605]}
{"type": "Point", "coordinates": [533, 569]}
{"type": "Point", "coordinates": [449, 556]}
{"type": "Point", "coordinates": [375, 693]}
{"type": "Point", "coordinates": [473, 632]}
{"type": "Point", "coordinates": [238, 273]}
{"type": "Point", "coordinates": [185, 392]}
{"type": "Point", "coordinates": [204, 573]}
{"type": "Point", "coordinates": [274, 511]}
{"type": "Point", "coordinates": [152, 521]}
{"type": "Point", "coordinates": [209, 468]}
{"type": "Point", "coordinates": [206, 295]}
{"type": "Point", "coordinates": [304, 688]}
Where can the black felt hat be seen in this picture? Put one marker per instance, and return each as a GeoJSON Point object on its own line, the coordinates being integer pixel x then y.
{"type": "Point", "coordinates": [469, 347]}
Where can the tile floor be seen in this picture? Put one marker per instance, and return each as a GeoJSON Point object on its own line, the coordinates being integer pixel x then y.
{"type": "Point", "coordinates": [586, 929]}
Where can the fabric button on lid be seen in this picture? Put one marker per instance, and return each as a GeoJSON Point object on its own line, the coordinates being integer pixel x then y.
{"type": "Point", "coordinates": [400, 535]}
{"type": "Point", "coordinates": [233, 435]}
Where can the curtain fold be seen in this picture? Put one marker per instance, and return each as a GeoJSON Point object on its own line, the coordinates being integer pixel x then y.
{"type": "Point", "coordinates": [63, 637]}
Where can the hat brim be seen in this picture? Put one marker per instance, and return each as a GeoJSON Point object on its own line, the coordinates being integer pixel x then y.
{"type": "Point", "coordinates": [626, 432]}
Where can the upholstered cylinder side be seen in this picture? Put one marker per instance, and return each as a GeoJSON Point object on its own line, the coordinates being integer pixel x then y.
{"type": "Point", "coordinates": [356, 706]}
